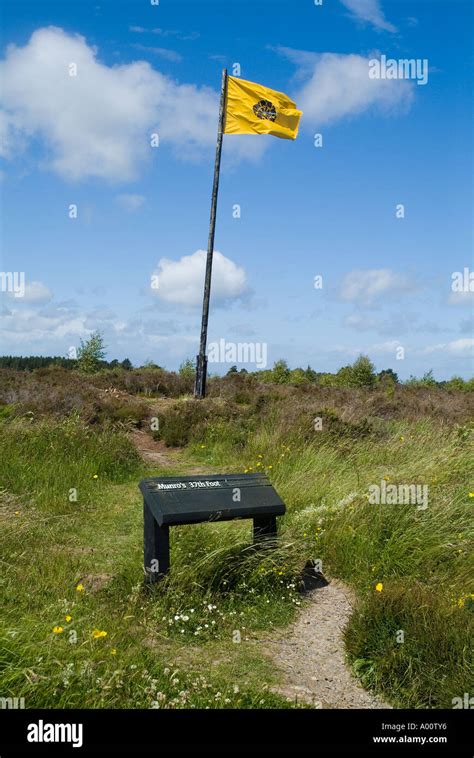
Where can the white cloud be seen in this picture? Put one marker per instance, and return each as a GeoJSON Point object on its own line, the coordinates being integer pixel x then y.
{"type": "Point", "coordinates": [182, 281]}
{"type": "Point", "coordinates": [35, 292]}
{"type": "Point", "coordinates": [165, 32]}
{"type": "Point", "coordinates": [367, 287]}
{"type": "Point", "coordinates": [28, 325]}
{"type": "Point", "coordinates": [401, 321]}
{"type": "Point", "coordinates": [370, 11]}
{"type": "Point", "coordinates": [130, 202]}
{"type": "Point", "coordinates": [98, 123]}
{"type": "Point", "coordinates": [461, 347]}
{"type": "Point", "coordinates": [339, 86]}
{"type": "Point", "coordinates": [163, 52]}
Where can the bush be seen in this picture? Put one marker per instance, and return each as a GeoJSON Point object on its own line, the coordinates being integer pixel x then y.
{"type": "Point", "coordinates": [362, 373]}
{"type": "Point", "coordinates": [91, 353]}
{"type": "Point", "coordinates": [189, 420]}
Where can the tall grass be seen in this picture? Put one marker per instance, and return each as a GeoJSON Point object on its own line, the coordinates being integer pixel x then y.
{"type": "Point", "coordinates": [70, 570]}
{"type": "Point", "coordinates": [176, 644]}
{"type": "Point", "coordinates": [422, 559]}
{"type": "Point", "coordinates": [45, 461]}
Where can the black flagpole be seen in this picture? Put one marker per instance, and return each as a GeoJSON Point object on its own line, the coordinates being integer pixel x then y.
{"type": "Point", "coordinates": [201, 360]}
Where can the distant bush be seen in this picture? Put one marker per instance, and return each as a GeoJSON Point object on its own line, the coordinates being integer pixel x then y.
{"type": "Point", "coordinates": [458, 384]}
{"type": "Point", "coordinates": [427, 380]}
{"type": "Point", "coordinates": [362, 373]}
{"type": "Point", "coordinates": [188, 368]}
{"type": "Point", "coordinates": [189, 420]}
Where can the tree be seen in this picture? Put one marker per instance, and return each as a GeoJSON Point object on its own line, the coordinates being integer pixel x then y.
{"type": "Point", "coordinates": [91, 353]}
{"type": "Point", "coordinates": [363, 372]}
{"type": "Point", "coordinates": [232, 370]}
{"type": "Point", "coordinates": [343, 378]}
{"type": "Point", "coordinates": [126, 364]}
{"type": "Point", "coordinates": [298, 376]}
{"type": "Point", "coordinates": [427, 380]}
{"type": "Point", "coordinates": [387, 376]}
{"type": "Point", "coordinates": [280, 372]}
{"type": "Point", "coordinates": [187, 368]}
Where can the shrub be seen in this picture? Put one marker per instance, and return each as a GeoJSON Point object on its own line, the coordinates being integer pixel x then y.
{"type": "Point", "coordinates": [362, 373]}
{"type": "Point", "coordinates": [91, 353]}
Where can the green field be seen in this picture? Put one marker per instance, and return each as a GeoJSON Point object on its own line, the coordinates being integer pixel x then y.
{"type": "Point", "coordinates": [78, 627]}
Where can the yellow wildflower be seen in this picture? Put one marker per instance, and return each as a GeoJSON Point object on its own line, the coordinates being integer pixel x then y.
{"type": "Point", "coordinates": [113, 651]}
{"type": "Point", "coordinates": [379, 587]}
{"type": "Point", "coordinates": [80, 588]}
{"type": "Point", "coordinates": [97, 633]}
{"type": "Point", "coordinates": [95, 476]}
{"type": "Point", "coordinates": [58, 629]}
{"type": "Point", "coordinates": [68, 618]}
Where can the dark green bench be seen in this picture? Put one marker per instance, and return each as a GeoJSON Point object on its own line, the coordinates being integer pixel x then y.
{"type": "Point", "coordinates": [175, 500]}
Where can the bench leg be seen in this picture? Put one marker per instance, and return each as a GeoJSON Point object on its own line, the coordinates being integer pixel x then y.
{"type": "Point", "coordinates": [264, 527]}
{"type": "Point", "coordinates": [156, 547]}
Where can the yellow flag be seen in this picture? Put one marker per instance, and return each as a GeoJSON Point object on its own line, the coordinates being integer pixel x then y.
{"type": "Point", "coordinates": [253, 109]}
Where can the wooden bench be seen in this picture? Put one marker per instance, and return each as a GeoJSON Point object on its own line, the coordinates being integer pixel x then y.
{"type": "Point", "coordinates": [175, 500]}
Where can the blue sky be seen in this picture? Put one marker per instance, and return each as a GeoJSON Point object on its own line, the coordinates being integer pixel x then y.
{"type": "Point", "coordinates": [304, 210]}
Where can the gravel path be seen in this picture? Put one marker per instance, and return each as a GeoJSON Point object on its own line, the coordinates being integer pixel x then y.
{"type": "Point", "coordinates": [311, 654]}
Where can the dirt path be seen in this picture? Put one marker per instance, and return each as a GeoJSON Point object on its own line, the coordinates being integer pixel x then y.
{"type": "Point", "coordinates": [155, 453]}
{"type": "Point", "coordinates": [311, 653]}
{"type": "Point", "coordinates": [151, 450]}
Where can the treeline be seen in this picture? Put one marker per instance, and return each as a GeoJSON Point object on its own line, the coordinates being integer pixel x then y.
{"type": "Point", "coordinates": [361, 373]}
{"type": "Point", "coordinates": [29, 363]}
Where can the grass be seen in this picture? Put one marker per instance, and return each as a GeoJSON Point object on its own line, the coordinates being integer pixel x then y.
{"type": "Point", "coordinates": [423, 558]}
{"type": "Point", "coordinates": [177, 644]}
{"type": "Point", "coordinates": [187, 645]}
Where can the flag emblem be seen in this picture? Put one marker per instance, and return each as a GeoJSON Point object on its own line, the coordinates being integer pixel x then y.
{"type": "Point", "coordinates": [265, 109]}
{"type": "Point", "coordinates": [251, 108]}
